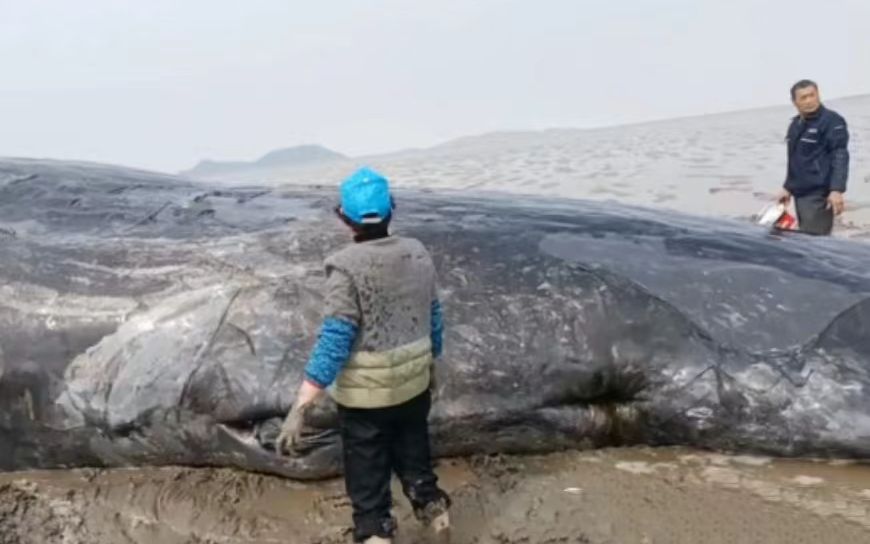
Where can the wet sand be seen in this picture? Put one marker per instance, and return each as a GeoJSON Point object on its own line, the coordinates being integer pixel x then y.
{"type": "Point", "coordinates": [616, 496]}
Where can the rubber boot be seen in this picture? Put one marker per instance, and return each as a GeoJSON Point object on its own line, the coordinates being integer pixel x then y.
{"type": "Point", "coordinates": [435, 517]}
{"type": "Point", "coordinates": [440, 523]}
{"type": "Point", "coordinates": [378, 540]}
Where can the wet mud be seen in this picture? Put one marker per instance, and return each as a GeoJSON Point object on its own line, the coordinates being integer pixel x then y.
{"type": "Point", "coordinates": [614, 496]}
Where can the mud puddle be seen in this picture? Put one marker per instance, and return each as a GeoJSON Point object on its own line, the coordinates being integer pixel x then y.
{"type": "Point", "coordinates": [615, 496]}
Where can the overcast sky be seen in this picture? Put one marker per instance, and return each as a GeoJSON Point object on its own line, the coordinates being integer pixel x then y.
{"type": "Point", "coordinates": [162, 84]}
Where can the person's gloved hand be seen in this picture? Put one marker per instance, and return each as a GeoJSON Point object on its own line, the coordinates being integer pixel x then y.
{"type": "Point", "coordinates": [291, 431]}
{"type": "Point", "coordinates": [290, 436]}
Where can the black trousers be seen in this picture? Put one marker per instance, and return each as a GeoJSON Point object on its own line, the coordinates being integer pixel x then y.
{"type": "Point", "coordinates": [813, 215]}
{"type": "Point", "coordinates": [378, 442]}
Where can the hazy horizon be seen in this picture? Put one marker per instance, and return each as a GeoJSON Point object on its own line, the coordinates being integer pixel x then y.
{"type": "Point", "coordinates": [163, 86]}
{"type": "Point", "coordinates": [626, 124]}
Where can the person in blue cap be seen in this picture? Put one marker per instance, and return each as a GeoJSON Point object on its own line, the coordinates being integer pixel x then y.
{"type": "Point", "coordinates": [381, 331]}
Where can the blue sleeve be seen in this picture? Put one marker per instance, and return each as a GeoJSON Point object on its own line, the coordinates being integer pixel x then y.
{"type": "Point", "coordinates": [437, 328]}
{"type": "Point", "coordinates": [332, 351]}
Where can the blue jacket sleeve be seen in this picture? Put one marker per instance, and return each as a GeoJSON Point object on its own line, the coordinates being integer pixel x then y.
{"type": "Point", "coordinates": [332, 351]}
{"type": "Point", "coordinates": [437, 328]}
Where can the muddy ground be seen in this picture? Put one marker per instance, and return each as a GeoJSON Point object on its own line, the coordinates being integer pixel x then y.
{"type": "Point", "coordinates": [638, 496]}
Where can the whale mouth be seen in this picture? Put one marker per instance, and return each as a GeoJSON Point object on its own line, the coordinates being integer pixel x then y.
{"type": "Point", "coordinates": [262, 435]}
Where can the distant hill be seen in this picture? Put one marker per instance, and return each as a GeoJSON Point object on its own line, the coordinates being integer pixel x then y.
{"type": "Point", "coordinates": [290, 157]}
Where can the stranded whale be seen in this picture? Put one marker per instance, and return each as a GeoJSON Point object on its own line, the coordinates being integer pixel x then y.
{"type": "Point", "coordinates": [147, 320]}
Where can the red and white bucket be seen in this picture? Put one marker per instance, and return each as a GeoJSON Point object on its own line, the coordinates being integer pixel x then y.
{"type": "Point", "coordinates": [777, 216]}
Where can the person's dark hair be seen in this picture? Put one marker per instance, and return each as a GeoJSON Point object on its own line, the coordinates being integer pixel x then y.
{"type": "Point", "coordinates": [802, 84]}
{"type": "Point", "coordinates": [372, 231]}
{"type": "Point", "coordinates": [366, 231]}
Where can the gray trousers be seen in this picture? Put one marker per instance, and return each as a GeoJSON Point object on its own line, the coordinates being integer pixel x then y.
{"type": "Point", "coordinates": [812, 214]}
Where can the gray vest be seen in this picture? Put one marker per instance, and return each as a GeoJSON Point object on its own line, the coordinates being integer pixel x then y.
{"type": "Point", "coordinates": [394, 281]}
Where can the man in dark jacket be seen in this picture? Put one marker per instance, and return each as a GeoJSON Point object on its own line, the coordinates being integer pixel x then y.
{"type": "Point", "coordinates": [818, 161]}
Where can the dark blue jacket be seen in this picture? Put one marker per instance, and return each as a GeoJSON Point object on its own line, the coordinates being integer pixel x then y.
{"type": "Point", "coordinates": [818, 155]}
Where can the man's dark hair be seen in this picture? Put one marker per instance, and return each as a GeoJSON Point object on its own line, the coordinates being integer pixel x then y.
{"type": "Point", "coordinates": [802, 84]}
{"type": "Point", "coordinates": [366, 231]}
{"type": "Point", "coordinates": [372, 231]}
